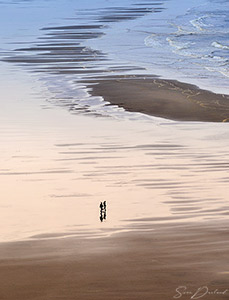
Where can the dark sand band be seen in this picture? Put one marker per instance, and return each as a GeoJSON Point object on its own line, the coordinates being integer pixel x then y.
{"type": "Point", "coordinates": [163, 98]}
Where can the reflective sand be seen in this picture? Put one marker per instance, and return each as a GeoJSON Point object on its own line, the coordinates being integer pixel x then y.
{"type": "Point", "coordinates": [56, 167]}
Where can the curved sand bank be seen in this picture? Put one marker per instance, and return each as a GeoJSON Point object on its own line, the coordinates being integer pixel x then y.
{"type": "Point", "coordinates": [163, 98]}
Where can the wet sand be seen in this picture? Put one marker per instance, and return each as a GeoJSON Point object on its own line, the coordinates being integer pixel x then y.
{"type": "Point", "coordinates": [147, 264]}
{"type": "Point", "coordinates": [60, 167]}
{"type": "Point", "coordinates": [149, 175]}
{"type": "Point", "coordinates": [163, 98]}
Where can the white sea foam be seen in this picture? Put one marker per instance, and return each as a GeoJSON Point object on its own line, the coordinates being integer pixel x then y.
{"type": "Point", "coordinates": [152, 41]}
{"type": "Point", "coordinates": [220, 46]}
{"type": "Point", "coordinates": [199, 24]}
{"type": "Point", "coordinates": [179, 45]}
{"type": "Point", "coordinates": [196, 43]}
{"type": "Point", "coordinates": [181, 30]}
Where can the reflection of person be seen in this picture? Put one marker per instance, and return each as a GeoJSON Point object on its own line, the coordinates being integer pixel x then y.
{"type": "Point", "coordinates": [101, 217]}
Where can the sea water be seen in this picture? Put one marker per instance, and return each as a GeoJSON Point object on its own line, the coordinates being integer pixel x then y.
{"type": "Point", "coordinates": [183, 40]}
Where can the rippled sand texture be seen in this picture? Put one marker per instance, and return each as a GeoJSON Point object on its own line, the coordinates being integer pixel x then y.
{"type": "Point", "coordinates": [179, 172]}
{"type": "Point", "coordinates": [57, 167]}
{"type": "Point", "coordinates": [63, 151]}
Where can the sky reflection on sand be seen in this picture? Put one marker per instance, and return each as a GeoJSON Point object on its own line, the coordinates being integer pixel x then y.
{"type": "Point", "coordinates": [57, 167]}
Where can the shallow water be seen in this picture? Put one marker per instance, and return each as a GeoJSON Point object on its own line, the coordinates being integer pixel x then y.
{"type": "Point", "coordinates": [62, 152]}
{"type": "Point", "coordinates": [187, 41]}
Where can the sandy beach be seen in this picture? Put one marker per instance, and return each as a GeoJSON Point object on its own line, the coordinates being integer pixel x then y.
{"type": "Point", "coordinates": [160, 261]}
{"type": "Point", "coordinates": [163, 98]}
{"type": "Point", "coordinates": [123, 103]}
{"type": "Point", "coordinates": [145, 249]}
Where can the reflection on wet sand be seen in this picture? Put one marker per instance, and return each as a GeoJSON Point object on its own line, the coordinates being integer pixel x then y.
{"type": "Point", "coordinates": [165, 183]}
{"type": "Point", "coordinates": [160, 179]}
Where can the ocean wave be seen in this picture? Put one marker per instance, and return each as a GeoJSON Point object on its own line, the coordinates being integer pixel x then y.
{"type": "Point", "coordinates": [199, 24]}
{"type": "Point", "coordinates": [200, 37]}
{"type": "Point", "coordinates": [152, 41]}
{"type": "Point", "coordinates": [181, 30]}
{"type": "Point", "coordinates": [220, 46]}
{"type": "Point", "coordinates": [222, 71]}
{"type": "Point", "coordinates": [179, 45]}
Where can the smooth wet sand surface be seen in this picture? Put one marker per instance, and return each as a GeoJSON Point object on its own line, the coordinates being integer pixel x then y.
{"type": "Point", "coordinates": [63, 151]}
{"type": "Point", "coordinates": [147, 264]}
{"type": "Point", "coordinates": [62, 165]}
{"type": "Point", "coordinates": [166, 188]}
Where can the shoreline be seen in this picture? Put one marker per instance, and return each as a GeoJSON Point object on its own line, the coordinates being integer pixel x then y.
{"type": "Point", "coordinates": [126, 266]}
{"type": "Point", "coordinates": [167, 99]}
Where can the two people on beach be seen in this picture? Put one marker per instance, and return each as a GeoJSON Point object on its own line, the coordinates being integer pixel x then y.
{"type": "Point", "coordinates": [103, 211]}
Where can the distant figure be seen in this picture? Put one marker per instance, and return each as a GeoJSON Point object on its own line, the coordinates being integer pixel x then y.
{"type": "Point", "coordinates": [101, 206]}
{"type": "Point", "coordinates": [103, 211]}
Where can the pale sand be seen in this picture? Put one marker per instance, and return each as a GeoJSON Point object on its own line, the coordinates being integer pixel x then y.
{"type": "Point", "coordinates": [136, 265]}
{"type": "Point", "coordinates": [163, 98]}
